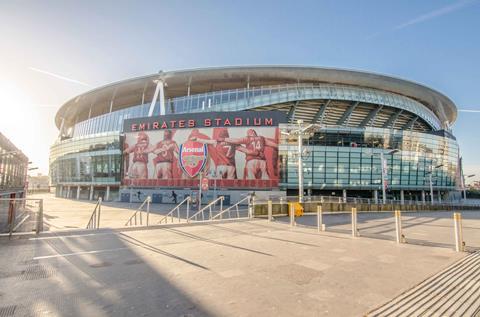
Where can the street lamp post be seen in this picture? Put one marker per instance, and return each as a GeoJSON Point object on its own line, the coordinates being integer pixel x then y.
{"type": "Point", "coordinates": [383, 166]}
{"type": "Point", "coordinates": [300, 162]}
{"type": "Point", "coordinates": [430, 180]}
{"type": "Point", "coordinates": [299, 131]}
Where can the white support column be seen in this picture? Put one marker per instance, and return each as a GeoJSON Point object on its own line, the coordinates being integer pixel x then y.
{"type": "Point", "coordinates": [60, 194]}
{"type": "Point", "coordinates": [78, 192]}
{"type": "Point", "coordinates": [344, 195]}
{"type": "Point", "coordinates": [439, 197]}
{"type": "Point", "coordinates": [423, 197]}
{"type": "Point", "coordinates": [402, 197]}
{"type": "Point", "coordinates": [159, 94]}
{"type": "Point", "coordinates": [68, 191]}
{"type": "Point", "coordinates": [91, 192]}
{"type": "Point", "coordinates": [107, 194]}
{"type": "Point", "coordinates": [375, 196]}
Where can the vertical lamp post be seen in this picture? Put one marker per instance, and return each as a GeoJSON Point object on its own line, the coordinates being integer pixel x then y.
{"type": "Point", "coordinates": [299, 131]}
{"type": "Point", "coordinates": [383, 163]}
{"type": "Point", "coordinates": [430, 180]}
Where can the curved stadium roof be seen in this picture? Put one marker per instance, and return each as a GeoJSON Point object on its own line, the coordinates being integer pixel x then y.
{"type": "Point", "coordinates": [131, 92]}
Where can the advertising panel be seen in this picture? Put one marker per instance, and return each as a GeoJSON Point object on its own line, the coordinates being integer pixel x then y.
{"type": "Point", "coordinates": [230, 149]}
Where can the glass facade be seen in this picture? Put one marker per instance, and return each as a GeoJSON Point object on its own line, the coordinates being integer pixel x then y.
{"type": "Point", "coordinates": [94, 159]}
{"type": "Point", "coordinates": [347, 158]}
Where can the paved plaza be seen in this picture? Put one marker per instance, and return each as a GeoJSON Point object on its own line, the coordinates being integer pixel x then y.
{"type": "Point", "coordinates": [247, 268]}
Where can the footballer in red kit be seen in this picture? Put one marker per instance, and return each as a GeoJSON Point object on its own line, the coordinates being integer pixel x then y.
{"type": "Point", "coordinates": [139, 169]}
{"type": "Point", "coordinates": [256, 165]}
{"type": "Point", "coordinates": [166, 151]}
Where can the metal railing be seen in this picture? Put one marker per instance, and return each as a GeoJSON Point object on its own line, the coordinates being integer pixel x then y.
{"type": "Point", "coordinates": [136, 218]}
{"type": "Point", "coordinates": [229, 209]}
{"type": "Point", "coordinates": [370, 201]}
{"type": "Point", "coordinates": [94, 221]}
{"type": "Point", "coordinates": [210, 210]}
{"type": "Point", "coordinates": [21, 215]}
{"type": "Point", "coordinates": [177, 209]}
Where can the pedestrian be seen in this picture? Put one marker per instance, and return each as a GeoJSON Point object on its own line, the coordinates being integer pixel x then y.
{"type": "Point", "coordinates": [174, 196]}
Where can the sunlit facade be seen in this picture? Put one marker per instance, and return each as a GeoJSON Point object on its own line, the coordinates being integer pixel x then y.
{"type": "Point", "coordinates": [358, 115]}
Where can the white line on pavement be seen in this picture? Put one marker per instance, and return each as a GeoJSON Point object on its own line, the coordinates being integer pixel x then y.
{"type": "Point", "coordinates": [76, 253]}
{"type": "Point", "coordinates": [72, 236]}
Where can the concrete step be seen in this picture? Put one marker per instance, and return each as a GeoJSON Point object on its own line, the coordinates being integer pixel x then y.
{"type": "Point", "coordinates": [455, 291]}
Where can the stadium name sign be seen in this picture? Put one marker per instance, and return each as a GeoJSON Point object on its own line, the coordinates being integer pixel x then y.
{"type": "Point", "coordinates": [206, 120]}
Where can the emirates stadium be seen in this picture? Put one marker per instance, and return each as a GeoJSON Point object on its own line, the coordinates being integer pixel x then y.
{"type": "Point", "coordinates": [264, 129]}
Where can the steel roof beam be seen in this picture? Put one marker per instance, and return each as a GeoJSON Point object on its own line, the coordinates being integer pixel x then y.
{"type": "Point", "coordinates": [393, 118]}
{"type": "Point", "coordinates": [291, 112]}
{"type": "Point", "coordinates": [347, 114]}
{"type": "Point", "coordinates": [321, 112]}
{"type": "Point", "coordinates": [370, 116]}
{"type": "Point", "coordinates": [410, 123]}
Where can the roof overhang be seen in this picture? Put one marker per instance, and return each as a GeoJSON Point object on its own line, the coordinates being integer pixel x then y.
{"type": "Point", "coordinates": [222, 78]}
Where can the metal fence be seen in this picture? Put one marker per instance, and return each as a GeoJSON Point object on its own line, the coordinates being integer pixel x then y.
{"type": "Point", "coordinates": [19, 215]}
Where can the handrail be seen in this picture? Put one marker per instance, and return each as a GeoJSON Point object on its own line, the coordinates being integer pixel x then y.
{"type": "Point", "coordinates": [231, 207]}
{"type": "Point", "coordinates": [177, 207]}
{"type": "Point", "coordinates": [221, 198]}
{"type": "Point", "coordinates": [94, 221]}
{"type": "Point", "coordinates": [139, 211]}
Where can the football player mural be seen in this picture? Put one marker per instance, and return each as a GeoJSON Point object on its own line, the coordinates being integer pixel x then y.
{"type": "Point", "coordinates": [175, 156]}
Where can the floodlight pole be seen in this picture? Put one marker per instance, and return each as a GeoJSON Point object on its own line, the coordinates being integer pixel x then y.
{"type": "Point", "coordinates": [384, 187]}
{"type": "Point", "coordinates": [431, 184]}
{"type": "Point", "coordinates": [300, 162]}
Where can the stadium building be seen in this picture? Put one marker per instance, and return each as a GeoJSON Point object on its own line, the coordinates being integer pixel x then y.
{"type": "Point", "coordinates": [233, 130]}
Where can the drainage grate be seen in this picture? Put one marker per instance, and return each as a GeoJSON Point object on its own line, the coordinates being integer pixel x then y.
{"type": "Point", "coordinates": [6, 311]}
{"type": "Point", "coordinates": [36, 272]}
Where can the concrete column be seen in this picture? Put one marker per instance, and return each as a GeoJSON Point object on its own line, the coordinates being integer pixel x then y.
{"type": "Point", "coordinates": [402, 197]}
{"type": "Point", "coordinates": [423, 196]}
{"type": "Point", "coordinates": [439, 197]}
{"type": "Point", "coordinates": [375, 196]}
{"type": "Point", "coordinates": [68, 191]}
{"type": "Point", "coordinates": [60, 192]}
{"type": "Point", "coordinates": [345, 195]}
{"type": "Point", "coordinates": [107, 194]}
{"type": "Point", "coordinates": [91, 192]}
{"type": "Point", "coordinates": [78, 192]}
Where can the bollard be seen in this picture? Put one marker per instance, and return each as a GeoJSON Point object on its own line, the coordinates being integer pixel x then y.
{"type": "Point", "coordinates": [251, 207]}
{"type": "Point", "coordinates": [40, 217]}
{"type": "Point", "coordinates": [292, 214]}
{"type": "Point", "coordinates": [270, 210]}
{"type": "Point", "coordinates": [398, 226]}
{"type": "Point", "coordinates": [457, 223]}
{"type": "Point", "coordinates": [354, 223]}
{"type": "Point", "coordinates": [320, 225]}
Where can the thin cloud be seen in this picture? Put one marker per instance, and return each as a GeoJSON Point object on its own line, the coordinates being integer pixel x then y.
{"type": "Point", "coordinates": [469, 110]}
{"type": "Point", "coordinates": [428, 16]}
{"type": "Point", "coordinates": [59, 76]}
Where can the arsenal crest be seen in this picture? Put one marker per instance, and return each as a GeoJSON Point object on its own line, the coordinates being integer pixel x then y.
{"type": "Point", "coordinates": [193, 157]}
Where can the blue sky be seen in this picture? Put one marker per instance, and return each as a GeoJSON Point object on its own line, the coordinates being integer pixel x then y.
{"type": "Point", "coordinates": [96, 42]}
